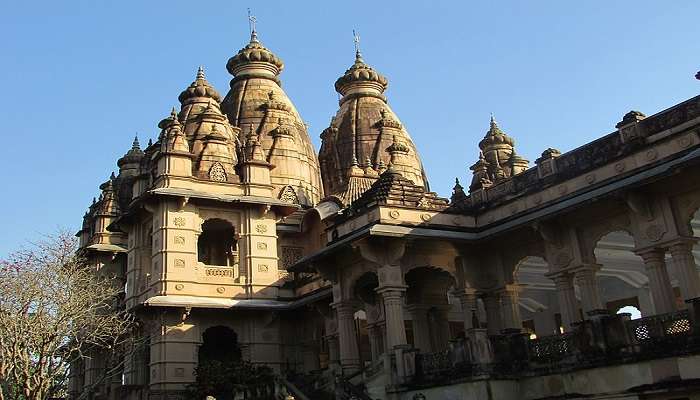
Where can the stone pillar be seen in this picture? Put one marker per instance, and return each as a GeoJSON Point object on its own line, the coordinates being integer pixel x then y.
{"type": "Point", "coordinates": [467, 298]}
{"type": "Point", "coordinates": [684, 262]}
{"type": "Point", "coordinates": [587, 282]}
{"type": "Point", "coordinates": [510, 309]}
{"type": "Point", "coordinates": [421, 330]}
{"type": "Point", "coordinates": [374, 331]}
{"type": "Point", "coordinates": [393, 314]}
{"type": "Point", "coordinates": [659, 282]}
{"type": "Point", "coordinates": [439, 327]}
{"type": "Point", "coordinates": [347, 337]}
{"type": "Point", "coordinates": [646, 303]}
{"type": "Point", "coordinates": [333, 352]}
{"type": "Point", "coordinates": [568, 307]}
{"type": "Point", "coordinates": [493, 314]}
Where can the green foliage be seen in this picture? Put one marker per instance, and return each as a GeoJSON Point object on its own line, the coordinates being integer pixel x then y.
{"type": "Point", "coordinates": [226, 379]}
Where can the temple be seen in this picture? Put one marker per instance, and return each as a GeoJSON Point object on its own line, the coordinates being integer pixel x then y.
{"type": "Point", "coordinates": [575, 276]}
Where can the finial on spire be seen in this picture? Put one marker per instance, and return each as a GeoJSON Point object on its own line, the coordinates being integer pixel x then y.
{"type": "Point", "coordinates": [356, 40]}
{"type": "Point", "coordinates": [112, 176]}
{"type": "Point", "coordinates": [200, 73]}
{"type": "Point", "coordinates": [173, 113]}
{"type": "Point", "coordinates": [251, 23]}
{"type": "Point", "coordinates": [135, 145]}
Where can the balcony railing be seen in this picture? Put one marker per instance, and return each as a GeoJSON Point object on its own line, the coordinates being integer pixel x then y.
{"type": "Point", "coordinates": [660, 327]}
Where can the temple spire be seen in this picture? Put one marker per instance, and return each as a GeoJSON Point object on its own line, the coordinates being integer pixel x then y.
{"type": "Point", "coordinates": [135, 145]}
{"type": "Point", "coordinates": [356, 40]}
{"type": "Point", "coordinates": [200, 73]}
{"type": "Point", "coordinates": [251, 23]}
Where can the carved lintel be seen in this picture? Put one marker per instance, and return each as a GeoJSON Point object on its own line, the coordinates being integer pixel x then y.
{"type": "Point", "coordinates": [550, 232]}
{"type": "Point", "coordinates": [382, 251]}
{"type": "Point", "coordinates": [639, 204]}
{"type": "Point", "coordinates": [182, 202]}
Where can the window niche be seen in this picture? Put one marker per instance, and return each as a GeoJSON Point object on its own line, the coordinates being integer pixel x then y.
{"type": "Point", "coordinates": [217, 244]}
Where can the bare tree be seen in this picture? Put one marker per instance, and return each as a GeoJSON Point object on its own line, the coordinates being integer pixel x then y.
{"type": "Point", "coordinates": [55, 310]}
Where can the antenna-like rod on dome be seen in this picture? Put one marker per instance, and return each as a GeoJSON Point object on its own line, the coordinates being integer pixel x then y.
{"type": "Point", "coordinates": [356, 40]}
{"type": "Point", "coordinates": [251, 24]}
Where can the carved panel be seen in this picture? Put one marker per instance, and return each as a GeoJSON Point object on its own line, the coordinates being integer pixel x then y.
{"type": "Point", "coordinates": [290, 255]}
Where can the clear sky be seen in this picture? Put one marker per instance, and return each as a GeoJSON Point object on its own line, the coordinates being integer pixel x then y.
{"type": "Point", "coordinates": [80, 78]}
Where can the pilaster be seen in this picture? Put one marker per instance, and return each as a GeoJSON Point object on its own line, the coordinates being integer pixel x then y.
{"type": "Point", "coordinates": [659, 282]}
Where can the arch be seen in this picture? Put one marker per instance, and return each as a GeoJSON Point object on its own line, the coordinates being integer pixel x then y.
{"type": "Point", "coordinates": [593, 233]}
{"type": "Point", "coordinates": [219, 344]}
{"type": "Point", "coordinates": [428, 285]}
{"type": "Point", "coordinates": [364, 288]}
{"type": "Point", "coordinates": [217, 244]}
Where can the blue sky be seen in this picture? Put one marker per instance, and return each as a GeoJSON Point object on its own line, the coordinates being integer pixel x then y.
{"type": "Point", "coordinates": [80, 78]}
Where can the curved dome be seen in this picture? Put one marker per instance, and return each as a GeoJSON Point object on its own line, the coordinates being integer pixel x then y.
{"type": "Point", "coordinates": [256, 98]}
{"type": "Point", "coordinates": [365, 137]}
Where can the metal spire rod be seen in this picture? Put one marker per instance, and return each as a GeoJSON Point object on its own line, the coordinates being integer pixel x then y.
{"type": "Point", "coordinates": [356, 40]}
{"type": "Point", "coordinates": [251, 24]}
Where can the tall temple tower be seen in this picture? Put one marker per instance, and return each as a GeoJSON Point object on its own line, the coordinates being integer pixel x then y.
{"type": "Point", "coordinates": [257, 101]}
{"type": "Point", "coordinates": [365, 137]}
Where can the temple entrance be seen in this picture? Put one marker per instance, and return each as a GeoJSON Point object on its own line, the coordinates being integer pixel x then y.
{"type": "Point", "coordinates": [219, 357]}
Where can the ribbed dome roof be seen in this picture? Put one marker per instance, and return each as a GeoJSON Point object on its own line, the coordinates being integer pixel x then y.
{"type": "Point", "coordinates": [360, 72]}
{"type": "Point", "coordinates": [199, 88]}
{"type": "Point", "coordinates": [254, 52]}
{"type": "Point", "coordinates": [495, 136]}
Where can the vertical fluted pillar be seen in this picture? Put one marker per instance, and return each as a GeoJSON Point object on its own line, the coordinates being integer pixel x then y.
{"type": "Point", "coordinates": [659, 282]}
{"type": "Point", "coordinates": [467, 299]}
{"type": "Point", "coordinates": [374, 331]}
{"type": "Point", "coordinates": [510, 308]}
{"type": "Point", "coordinates": [568, 306]}
{"type": "Point", "coordinates": [492, 303]}
{"type": "Point", "coordinates": [393, 314]}
{"type": "Point", "coordinates": [587, 282]}
{"type": "Point", "coordinates": [683, 260]}
{"type": "Point", "coordinates": [347, 337]}
{"type": "Point", "coordinates": [421, 330]}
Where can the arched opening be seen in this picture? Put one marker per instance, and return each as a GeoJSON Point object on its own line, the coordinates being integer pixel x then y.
{"type": "Point", "coordinates": [217, 244]}
{"type": "Point", "coordinates": [429, 307]}
{"type": "Point", "coordinates": [369, 319]}
{"type": "Point", "coordinates": [631, 310]}
{"type": "Point", "coordinates": [622, 278]}
{"type": "Point", "coordinates": [219, 344]}
{"type": "Point", "coordinates": [538, 298]}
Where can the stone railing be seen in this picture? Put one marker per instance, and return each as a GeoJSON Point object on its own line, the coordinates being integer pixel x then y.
{"type": "Point", "coordinates": [660, 327]}
{"type": "Point", "coordinates": [602, 341]}
{"type": "Point", "coordinates": [552, 348]}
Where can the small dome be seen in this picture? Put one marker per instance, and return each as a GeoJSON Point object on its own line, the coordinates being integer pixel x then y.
{"type": "Point", "coordinates": [133, 156]}
{"type": "Point", "coordinates": [360, 72]}
{"type": "Point", "coordinates": [495, 136]}
{"type": "Point", "coordinates": [199, 88]}
{"type": "Point", "coordinates": [254, 52]}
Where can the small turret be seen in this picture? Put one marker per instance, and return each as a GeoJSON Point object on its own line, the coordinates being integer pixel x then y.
{"type": "Point", "coordinates": [255, 169]}
{"type": "Point", "coordinates": [174, 157]}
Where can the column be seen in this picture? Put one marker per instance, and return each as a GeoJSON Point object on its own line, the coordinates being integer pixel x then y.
{"type": "Point", "coordinates": [659, 282]}
{"type": "Point", "coordinates": [646, 303]}
{"type": "Point", "coordinates": [439, 327]}
{"type": "Point", "coordinates": [393, 314]}
{"type": "Point", "coordinates": [467, 298]}
{"type": "Point", "coordinates": [347, 337]}
{"type": "Point", "coordinates": [493, 313]}
{"type": "Point", "coordinates": [587, 282]}
{"type": "Point", "coordinates": [568, 307]}
{"type": "Point", "coordinates": [374, 331]}
{"type": "Point", "coordinates": [333, 352]}
{"type": "Point", "coordinates": [421, 330]}
{"type": "Point", "coordinates": [510, 309]}
{"type": "Point", "coordinates": [683, 260]}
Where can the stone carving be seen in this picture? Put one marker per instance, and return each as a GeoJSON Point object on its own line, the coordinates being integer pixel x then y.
{"type": "Point", "coordinates": [179, 286]}
{"type": "Point", "coordinates": [222, 272]}
{"type": "Point", "coordinates": [179, 263]}
{"type": "Point", "coordinates": [217, 173]}
{"type": "Point", "coordinates": [220, 290]}
{"type": "Point", "coordinates": [288, 195]}
{"type": "Point", "coordinates": [290, 255]}
{"type": "Point", "coordinates": [261, 228]}
{"type": "Point", "coordinates": [263, 268]}
{"type": "Point", "coordinates": [394, 214]}
{"type": "Point", "coordinates": [425, 217]}
{"type": "Point", "coordinates": [179, 221]}
{"type": "Point", "coordinates": [590, 179]}
{"type": "Point", "coordinates": [654, 233]}
{"type": "Point", "coordinates": [179, 240]}
{"type": "Point", "coordinates": [261, 246]}
{"type": "Point", "coordinates": [620, 167]}
{"type": "Point", "coordinates": [651, 155]}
